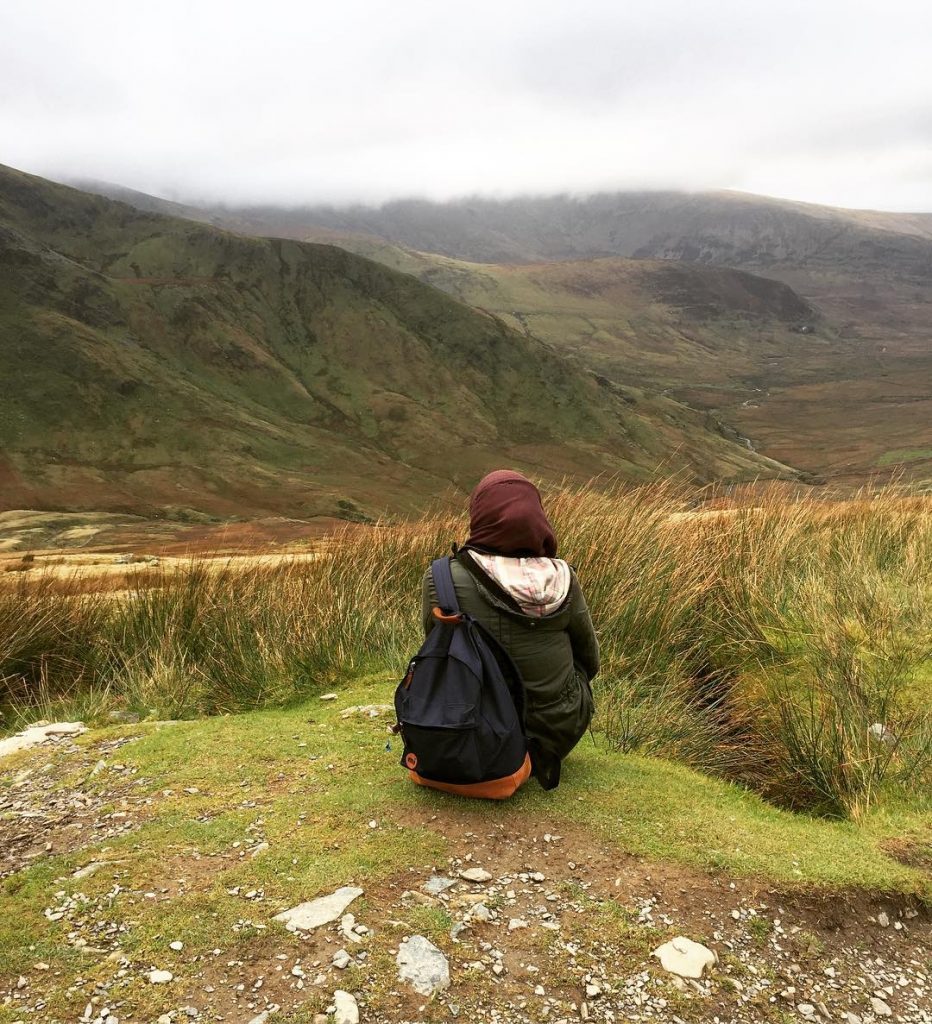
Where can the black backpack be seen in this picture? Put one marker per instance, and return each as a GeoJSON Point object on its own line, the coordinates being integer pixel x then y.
{"type": "Point", "coordinates": [460, 706]}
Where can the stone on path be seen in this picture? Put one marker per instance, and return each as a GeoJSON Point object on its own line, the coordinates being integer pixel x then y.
{"type": "Point", "coordinates": [423, 966]}
{"type": "Point", "coordinates": [685, 958]}
{"type": "Point", "coordinates": [346, 1011]}
{"type": "Point", "coordinates": [160, 977]}
{"type": "Point", "coordinates": [341, 959]}
{"type": "Point", "coordinates": [479, 912]}
{"type": "Point", "coordinates": [347, 924]}
{"type": "Point", "coordinates": [437, 884]}
{"type": "Point", "coordinates": [37, 734]}
{"type": "Point", "coordinates": [89, 869]}
{"type": "Point", "coordinates": [880, 1007]}
{"type": "Point", "coordinates": [476, 875]}
{"type": "Point", "coordinates": [323, 910]}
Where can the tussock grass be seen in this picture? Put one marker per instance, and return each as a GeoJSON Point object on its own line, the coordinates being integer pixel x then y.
{"type": "Point", "coordinates": [783, 644]}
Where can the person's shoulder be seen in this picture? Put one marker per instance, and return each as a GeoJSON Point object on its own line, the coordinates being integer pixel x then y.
{"type": "Point", "coordinates": [576, 590]}
{"type": "Point", "coordinates": [455, 568]}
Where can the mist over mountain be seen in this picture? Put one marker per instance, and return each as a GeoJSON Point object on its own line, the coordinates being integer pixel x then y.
{"type": "Point", "coordinates": [728, 228]}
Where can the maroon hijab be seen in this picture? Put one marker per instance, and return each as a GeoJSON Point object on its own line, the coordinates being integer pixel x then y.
{"type": "Point", "coordinates": [506, 517]}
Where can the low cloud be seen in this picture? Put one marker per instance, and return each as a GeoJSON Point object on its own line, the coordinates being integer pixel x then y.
{"type": "Point", "coordinates": [366, 101]}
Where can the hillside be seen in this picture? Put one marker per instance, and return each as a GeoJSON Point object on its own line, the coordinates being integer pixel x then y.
{"type": "Point", "coordinates": [659, 324]}
{"type": "Point", "coordinates": [841, 393]}
{"type": "Point", "coordinates": [149, 362]}
{"type": "Point", "coordinates": [851, 402]}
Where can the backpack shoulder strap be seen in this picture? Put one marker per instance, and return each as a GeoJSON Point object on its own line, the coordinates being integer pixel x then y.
{"type": "Point", "coordinates": [443, 583]}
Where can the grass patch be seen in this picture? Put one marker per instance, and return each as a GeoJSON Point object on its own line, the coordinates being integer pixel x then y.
{"type": "Point", "coordinates": [783, 645]}
{"type": "Point", "coordinates": [901, 455]}
{"type": "Point", "coordinates": [188, 871]}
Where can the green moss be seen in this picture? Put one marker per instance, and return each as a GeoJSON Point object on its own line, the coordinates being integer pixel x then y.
{"type": "Point", "coordinates": [892, 458]}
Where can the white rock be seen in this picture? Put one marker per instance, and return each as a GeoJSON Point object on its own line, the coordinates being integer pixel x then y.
{"type": "Point", "coordinates": [176, 946]}
{"type": "Point", "coordinates": [341, 959]}
{"type": "Point", "coordinates": [257, 851]}
{"type": "Point", "coordinates": [368, 710]}
{"type": "Point", "coordinates": [160, 977]}
{"type": "Point", "coordinates": [348, 928]}
{"type": "Point", "coordinates": [328, 696]}
{"type": "Point", "coordinates": [880, 1007]}
{"type": "Point", "coordinates": [260, 1018]}
{"type": "Point", "coordinates": [423, 966]}
{"type": "Point", "coordinates": [515, 923]}
{"type": "Point", "coordinates": [437, 884]}
{"type": "Point", "coordinates": [593, 991]}
{"type": "Point", "coordinates": [880, 732]}
{"type": "Point", "coordinates": [323, 910]}
{"type": "Point", "coordinates": [883, 920]}
{"type": "Point", "coordinates": [476, 875]}
{"type": "Point", "coordinates": [346, 1011]}
{"type": "Point", "coordinates": [806, 1009]}
{"type": "Point", "coordinates": [685, 958]}
{"type": "Point", "coordinates": [89, 869]}
{"type": "Point", "coordinates": [164, 1019]}
{"type": "Point", "coordinates": [481, 913]}
{"type": "Point", "coordinates": [37, 734]}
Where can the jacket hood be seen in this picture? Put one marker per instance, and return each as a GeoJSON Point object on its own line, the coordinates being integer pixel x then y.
{"type": "Point", "coordinates": [540, 586]}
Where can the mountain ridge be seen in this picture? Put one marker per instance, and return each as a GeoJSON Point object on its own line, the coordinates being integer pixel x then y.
{"type": "Point", "coordinates": [188, 367]}
{"type": "Point", "coordinates": [758, 232]}
{"type": "Point", "coordinates": [852, 404]}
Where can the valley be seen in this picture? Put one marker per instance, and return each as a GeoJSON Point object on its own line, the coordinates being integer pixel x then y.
{"type": "Point", "coordinates": [646, 288]}
{"type": "Point", "coordinates": [156, 366]}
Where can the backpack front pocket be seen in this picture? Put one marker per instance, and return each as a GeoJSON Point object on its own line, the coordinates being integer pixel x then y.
{"type": "Point", "coordinates": [443, 739]}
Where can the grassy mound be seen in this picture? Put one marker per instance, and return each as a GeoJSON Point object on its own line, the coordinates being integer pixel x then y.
{"type": "Point", "coordinates": [203, 830]}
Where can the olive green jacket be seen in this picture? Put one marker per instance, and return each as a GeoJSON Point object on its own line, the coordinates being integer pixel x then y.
{"type": "Point", "coordinates": [557, 655]}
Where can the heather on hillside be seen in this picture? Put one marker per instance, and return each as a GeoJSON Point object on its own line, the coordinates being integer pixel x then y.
{"type": "Point", "coordinates": [785, 645]}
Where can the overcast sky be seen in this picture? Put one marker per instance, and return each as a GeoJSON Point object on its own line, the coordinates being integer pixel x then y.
{"type": "Point", "coordinates": [823, 100]}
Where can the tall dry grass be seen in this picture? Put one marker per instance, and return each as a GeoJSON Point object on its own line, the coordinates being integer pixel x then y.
{"type": "Point", "coordinates": [785, 643]}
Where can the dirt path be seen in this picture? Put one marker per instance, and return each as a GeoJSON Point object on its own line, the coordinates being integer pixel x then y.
{"type": "Point", "coordinates": [562, 929]}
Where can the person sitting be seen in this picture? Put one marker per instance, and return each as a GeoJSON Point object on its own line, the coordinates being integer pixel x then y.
{"type": "Point", "coordinates": [508, 578]}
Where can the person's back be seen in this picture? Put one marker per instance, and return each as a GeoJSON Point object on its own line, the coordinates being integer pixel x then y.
{"type": "Point", "coordinates": [508, 578]}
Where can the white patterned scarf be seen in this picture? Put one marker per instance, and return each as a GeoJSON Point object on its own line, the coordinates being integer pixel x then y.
{"type": "Point", "coordinates": [539, 585]}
